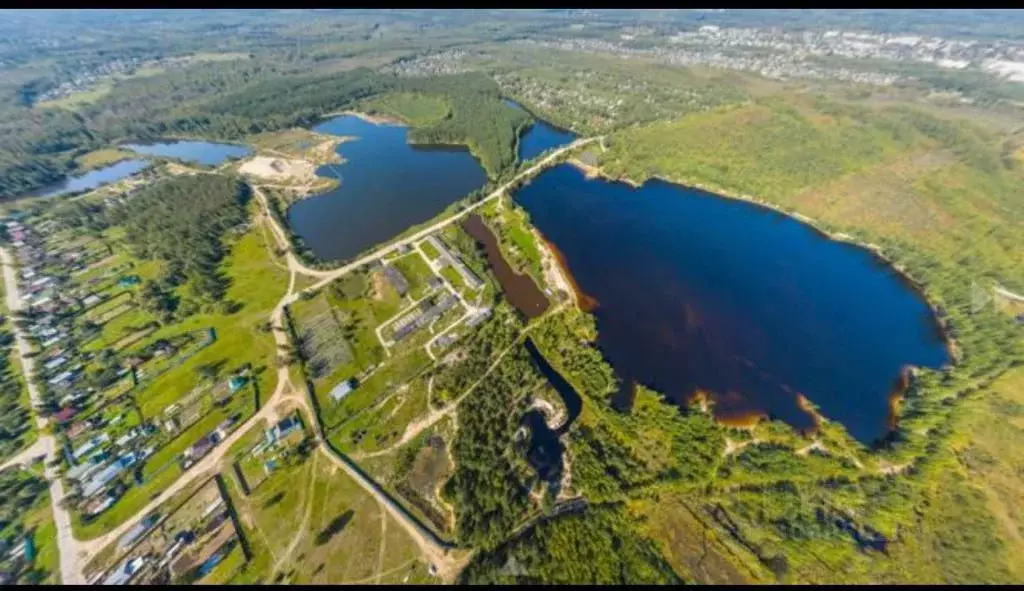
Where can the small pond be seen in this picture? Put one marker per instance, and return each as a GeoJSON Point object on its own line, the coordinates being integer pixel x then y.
{"type": "Point", "coordinates": [93, 179]}
{"type": "Point", "coordinates": [205, 153]}
{"type": "Point", "coordinates": [545, 448]}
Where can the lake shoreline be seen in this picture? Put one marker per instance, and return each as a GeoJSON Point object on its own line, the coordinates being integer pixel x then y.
{"type": "Point", "coordinates": [920, 288]}
{"type": "Point", "coordinates": [368, 117]}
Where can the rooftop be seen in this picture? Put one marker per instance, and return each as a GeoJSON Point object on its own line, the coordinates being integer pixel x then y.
{"type": "Point", "coordinates": [341, 390]}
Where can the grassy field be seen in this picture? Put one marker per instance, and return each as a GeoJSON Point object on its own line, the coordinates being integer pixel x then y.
{"type": "Point", "coordinates": [429, 250]}
{"type": "Point", "coordinates": [45, 538]}
{"type": "Point", "coordinates": [311, 524]}
{"type": "Point", "coordinates": [990, 456]}
{"type": "Point", "coordinates": [384, 424]}
{"type": "Point", "coordinates": [416, 272]}
{"type": "Point", "coordinates": [79, 99]}
{"type": "Point", "coordinates": [258, 285]}
{"type": "Point", "coordinates": [102, 157]}
{"type": "Point", "coordinates": [693, 548]}
{"type": "Point", "coordinates": [512, 226]}
{"type": "Point", "coordinates": [418, 110]}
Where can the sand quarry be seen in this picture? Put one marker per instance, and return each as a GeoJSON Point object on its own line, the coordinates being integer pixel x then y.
{"type": "Point", "coordinates": [280, 169]}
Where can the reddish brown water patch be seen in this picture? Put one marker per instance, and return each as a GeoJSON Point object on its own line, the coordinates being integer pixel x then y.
{"type": "Point", "coordinates": [585, 301]}
{"type": "Point", "coordinates": [520, 289]}
{"type": "Point", "coordinates": [899, 386]}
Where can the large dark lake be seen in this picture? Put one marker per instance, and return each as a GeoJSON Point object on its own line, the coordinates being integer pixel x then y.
{"type": "Point", "coordinates": [386, 186]}
{"type": "Point", "coordinates": [697, 292]}
{"type": "Point", "coordinates": [205, 153]}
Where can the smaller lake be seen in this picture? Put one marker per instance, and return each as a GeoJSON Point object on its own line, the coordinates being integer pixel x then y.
{"type": "Point", "coordinates": [519, 289]}
{"type": "Point", "coordinates": [545, 449]}
{"type": "Point", "coordinates": [93, 179]}
{"type": "Point", "coordinates": [572, 400]}
{"type": "Point", "coordinates": [539, 137]}
{"type": "Point", "coordinates": [386, 186]}
{"type": "Point", "coordinates": [205, 153]}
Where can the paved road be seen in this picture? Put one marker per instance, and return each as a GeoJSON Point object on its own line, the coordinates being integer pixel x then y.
{"type": "Point", "coordinates": [70, 563]}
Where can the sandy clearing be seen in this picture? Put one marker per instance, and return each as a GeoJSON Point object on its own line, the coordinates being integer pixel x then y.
{"type": "Point", "coordinates": [279, 169]}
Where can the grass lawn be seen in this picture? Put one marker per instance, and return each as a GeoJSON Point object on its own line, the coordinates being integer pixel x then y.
{"type": "Point", "coordinates": [454, 278]}
{"type": "Point", "coordinates": [429, 250]}
{"type": "Point", "coordinates": [102, 157]}
{"type": "Point", "coordinates": [311, 523]}
{"type": "Point", "coordinates": [418, 110]}
{"type": "Point", "coordinates": [385, 424]}
{"type": "Point", "coordinates": [416, 271]}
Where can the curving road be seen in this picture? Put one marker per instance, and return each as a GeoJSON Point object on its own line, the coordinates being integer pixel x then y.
{"type": "Point", "coordinates": [331, 274]}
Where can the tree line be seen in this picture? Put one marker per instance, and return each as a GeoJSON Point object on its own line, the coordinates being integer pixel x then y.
{"type": "Point", "coordinates": [182, 222]}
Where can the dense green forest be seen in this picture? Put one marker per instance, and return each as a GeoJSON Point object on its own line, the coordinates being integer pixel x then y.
{"type": "Point", "coordinates": [20, 493]}
{"type": "Point", "coordinates": [479, 118]}
{"type": "Point", "coordinates": [489, 488]}
{"type": "Point", "coordinates": [596, 547]}
{"type": "Point", "coordinates": [15, 418]}
{"type": "Point", "coordinates": [181, 222]}
{"type": "Point", "coordinates": [219, 101]}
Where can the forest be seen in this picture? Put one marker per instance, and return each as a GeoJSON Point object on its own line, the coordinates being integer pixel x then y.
{"type": "Point", "coordinates": [15, 420]}
{"type": "Point", "coordinates": [229, 102]}
{"type": "Point", "coordinates": [181, 222]}
{"type": "Point", "coordinates": [479, 119]}
{"type": "Point", "coordinates": [488, 488]}
{"type": "Point", "coordinates": [20, 493]}
{"type": "Point", "coordinates": [598, 546]}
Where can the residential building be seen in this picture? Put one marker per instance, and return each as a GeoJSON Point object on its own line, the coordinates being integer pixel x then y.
{"type": "Point", "coordinates": [342, 390]}
{"type": "Point", "coordinates": [396, 279]}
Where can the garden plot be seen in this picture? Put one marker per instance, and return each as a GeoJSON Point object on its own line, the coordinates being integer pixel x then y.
{"type": "Point", "coordinates": [323, 342]}
{"type": "Point", "coordinates": [183, 546]}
